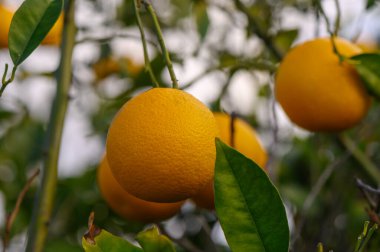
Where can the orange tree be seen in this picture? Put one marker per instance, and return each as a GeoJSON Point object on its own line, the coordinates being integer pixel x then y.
{"type": "Point", "coordinates": [319, 185]}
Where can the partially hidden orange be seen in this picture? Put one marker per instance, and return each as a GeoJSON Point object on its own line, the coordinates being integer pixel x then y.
{"type": "Point", "coordinates": [245, 140]}
{"type": "Point", "coordinates": [128, 206]}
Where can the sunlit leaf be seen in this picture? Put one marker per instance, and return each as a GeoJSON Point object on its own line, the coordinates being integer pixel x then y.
{"type": "Point", "coordinates": [105, 241]}
{"type": "Point", "coordinates": [368, 67]}
{"type": "Point", "coordinates": [29, 26]}
{"type": "Point", "coordinates": [248, 205]}
{"type": "Point", "coordinates": [151, 241]}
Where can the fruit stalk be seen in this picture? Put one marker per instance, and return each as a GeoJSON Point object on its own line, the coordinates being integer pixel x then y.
{"type": "Point", "coordinates": [4, 81]}
{"type": "Point", "coordinates": [367, 164]}
{"type": "Point", "coordinates": [148, 67]}
{"type": "Point", "coordinates": [45, 197]}
{"type": "Point", "coordinates": [165, 52]}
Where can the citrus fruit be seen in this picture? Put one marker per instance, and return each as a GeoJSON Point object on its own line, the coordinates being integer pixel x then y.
{"type": "Point", "coordinates": [128, 206]}
{"type": "Point", "coordinates": [161, 145]}
{"type": "Point", "coordinates": [6, 18]}
{"type": "Point", "coordinates": [108, 66]}
{"type": "Point", "coordinates": [245, 141]}
{"type": "Point", "coordinates": [316, 91]}
{"type": "Point", "coordinates": [52, 38]}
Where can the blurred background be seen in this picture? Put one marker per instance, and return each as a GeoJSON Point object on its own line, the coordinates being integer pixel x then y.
{"type": "Point", "coordinates": [218, 58]}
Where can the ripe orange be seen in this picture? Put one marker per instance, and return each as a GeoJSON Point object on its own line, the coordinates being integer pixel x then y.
{"type": "Point", "coordinates": [245, 140]}
{"type": "Point", "coordinates": [316, 91]}
{"type": "Point", "coordinates": [128, 206]}
{"type": "Point", "coordinates": [6, 18]}
{"type": "Point", "coordinates": [161, 145]}
{"type": "Point", "coordinates": [52, 38]}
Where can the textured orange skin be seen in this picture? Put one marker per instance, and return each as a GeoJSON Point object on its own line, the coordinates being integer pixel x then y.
{"type": "Point", "coordinates": [161, 145]}
{"type": "Point", "coordinates": [316, 92]}
{"type": "Point", "coordinates": [246, 141]}
{"type": "Point", "coordinates": [128, 206]}
{"type": "Point", "coordinates": [52, 38]}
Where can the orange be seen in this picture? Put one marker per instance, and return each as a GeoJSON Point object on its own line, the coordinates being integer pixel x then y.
{"type": "Point", "coordinates": [128, 206]}
{"type": "Point", "coordinates": [52, 38]}
{"type": "Point", "coordinates": [6, 18]}
{"type": "Point", "coordinates": [161, 145]}
{"type": "Point", "coordinates": [316, 91]}
{"type": "Point", "coordinates": [245, 141]}
{"type": "Point", "coordinates": [108, 66]}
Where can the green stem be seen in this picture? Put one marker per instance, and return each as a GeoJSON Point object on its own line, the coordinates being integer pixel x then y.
{"type": "Point", "coordinates": [333, 33]}
{"type": "Point", "coordinates": [45, 198]}
{"type": "Point", "coordinates": [4, 81]}
{"type": "Point", "coordinates": [368, 237]}
{"type": "Point", "coordinates": [320, 247]}
{"type": "Point", "coordinates": [161, 41]}
{"type": "Point", "coordinates": [337, 20]}
{"type": "Point", "coordinates": [148, 67]}
{"type": "Point", "coordinates": [258, 31]}
{"type": "Point", "coordinates": [366, 163]}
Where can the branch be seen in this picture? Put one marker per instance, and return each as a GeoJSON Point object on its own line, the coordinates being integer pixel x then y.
{"type": "Point", "coordinates": [257, 30]}
{"type": "Point", "coordinates": [12, 216]}
{"type": "Point", "coordinates": [45, 198]}
{"type": "Point", "coordinates": [6, 82]}
{"type": "Point", "coordinates": [365, 162]}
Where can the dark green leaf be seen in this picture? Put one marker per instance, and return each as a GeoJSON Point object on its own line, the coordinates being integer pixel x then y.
{"type": "Point", "coordinates": [248, 205]}
{"type": "Point", "coordinates": [370, 4]}
{"type": "Point", "coordinates": [151, 241]}
{"type": "Point", "coordinates": [285, 38]}
{"type": "Point", "coordinates": [368, 67]}
{"type": "Point", "coordinates": [107, 242]}
{"type": "Point", "coordinates": [201, 18]}
{"type": "Point", "coordinates": [29, 26]}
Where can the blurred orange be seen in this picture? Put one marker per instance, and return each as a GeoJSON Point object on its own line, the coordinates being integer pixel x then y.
{"type": "Point", "coordinates": [108, 66]}
{"type": "Point", "coordinates": [52, 38]}
{"type": "Point", "coordinates": [246, 141]}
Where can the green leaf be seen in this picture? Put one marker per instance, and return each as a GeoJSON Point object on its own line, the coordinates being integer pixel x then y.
{"type": "Point", "coordinates": [30, 24]}
{"type": "Point", "coordinates": [368, 67]}
{"type": "Point", "coordinates": [285, 38]}
{"type": "Point", "coordinates": [201, 18]}
{"type": "Point", "coordinates": [248, 205]}
{"type": "Point", "coordinates": [370, 4]}
{"type": "Point", "coordinates": [107, 242]}
{"type": "Point", "coordinates": [152, 241]}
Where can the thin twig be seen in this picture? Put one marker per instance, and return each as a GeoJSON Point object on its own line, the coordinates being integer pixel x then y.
{"type": "Point", "coordinates": [118, 34]}
{"type": "Point", "coordinates": [233, 117]}
{"type": "Point", "coordinates": [337, 19]}
{"type": "Point", "coordinates": [198, 77]}
{"type": "Point", "coordinates": [161, 41]}
{"type": "Point", "coordinates": [148, 67]}
{"type": "Point", "coordinates": [5, 82]}
{"type": "Point", "coordinates": [323, 178]}
{"type": "Point", "coordinates": [256, 29]}
{"type": "Point", "coordinates": [12, 216]}
{"type": "Point", "coordinates": [333, 33]}
{"type": "Point", "coordinates": [365, 162]}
